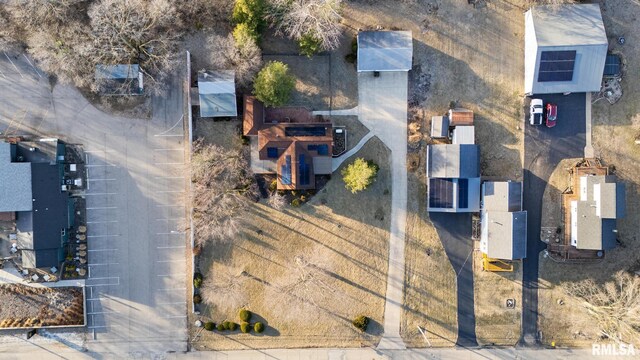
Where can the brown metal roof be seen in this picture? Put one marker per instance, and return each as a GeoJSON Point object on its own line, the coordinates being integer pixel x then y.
{"type": "Point", "coordinates": [274, 128]}
{"type": "Point", "coordinates": [459, 117]}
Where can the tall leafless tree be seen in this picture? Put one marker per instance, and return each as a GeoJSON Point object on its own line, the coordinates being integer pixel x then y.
{"type": "Point", "coordinates": [318, 18]}
{"type": "Point", "coordinates": [245, 58]}
{"type": "Point", "coordinates": [614, 306]}
{"type": "Point", "coordinates": [277, 201]}
{"type": "Point", "coordinates": [136, 32]}
{"type": "Point", "coordinates": [225, 288]}
{"type": "Point", "coordinates": [305, 288]}
{"type": "Point", "coordinates": [222, 186]}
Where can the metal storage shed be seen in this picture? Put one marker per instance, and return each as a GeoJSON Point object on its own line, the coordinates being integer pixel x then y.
{"type": "Point", "coordinates": [565, 49]}
{"type": "Point", "coordinates": [439, 127]}
{"type": "Point", "coordinates": [217, 93]}
{"type": "Point", "coordinates": [385, 51]}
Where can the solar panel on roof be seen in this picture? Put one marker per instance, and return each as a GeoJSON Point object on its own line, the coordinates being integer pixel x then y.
{"type": "Point", "coordinates": [303, 171]}
{"type": "Point", "coordinates": [285, 172]}
{"type": "Point", "coordinates": [272, 152]}
{"type": "Point", "coordinates": [323, 149]}
{"type": "Point", "coordinates": [612, 65]}
{"type": "Point", "coordinates": [305, 131]}
{"type": "Point", "coordinates": [463, 193]}
{"type": "Point", "coordinates": [556, 65]}
{"type": "Point", "coordinates": [441, 193]}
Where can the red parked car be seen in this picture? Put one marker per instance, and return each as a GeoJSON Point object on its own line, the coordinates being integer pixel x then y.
{"type": "Point", "coordinates": [551, 114]}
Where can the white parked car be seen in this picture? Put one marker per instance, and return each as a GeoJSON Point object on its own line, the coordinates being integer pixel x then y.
{"type": "Point", "coordinates": [535, 112]}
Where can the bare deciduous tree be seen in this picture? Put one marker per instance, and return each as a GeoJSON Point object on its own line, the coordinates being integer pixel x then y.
{"type": "Point", "coordinates": [615, 306]}
{"type": "Point", "coordinates": [224, 289]}
{"type": "Point", "coordinates": [317, 18]}
{"type": "Point", "coordinates": [222, 185]}
{"type": "Point", "coordinates": [136, 32]}
{"type": "Point", "coordinates": [305, 288]}
{"type": "Point", "coordinates": [277, 201]}
{"type": "Point", "coordinates": [245, 58]}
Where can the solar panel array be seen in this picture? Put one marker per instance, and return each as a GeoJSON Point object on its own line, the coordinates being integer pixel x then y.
{"type": "Point", "coordinates": [285, 173]}
{"type": "Point", "coordinates": [556, 65]}
{"type": "Point", "coordinates": [612, 65]}
{"type": "Point", "coordinates": [441, 193]}
{"type": "Point", "coordinates": [304, 175]}
{"type": "Point", "coordinates": [305, 131]}
{"type": "Point", "coordinates": [272, 152]}
{"type": "Point", "coordinates": [463, 193]}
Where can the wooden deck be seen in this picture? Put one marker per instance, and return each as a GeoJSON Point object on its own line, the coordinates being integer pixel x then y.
{"type": "Point", "coordinates": [563, 250]}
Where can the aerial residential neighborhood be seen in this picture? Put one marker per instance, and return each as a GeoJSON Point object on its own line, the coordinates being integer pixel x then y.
{"type": "Point", "coordinates": [319, 179]}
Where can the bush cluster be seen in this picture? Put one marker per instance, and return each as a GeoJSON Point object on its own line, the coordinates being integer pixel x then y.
{"type": "Point", "coordinates": [258, 327]}
{"type": "Point", "coordinates": [209, 326]}
{"type": "Point", "coordinates": [197, 280]}
{"type": "Point", "coordinates": [245, 327]}
{"type": "Point", "coordinates": [197, 299]}
{"type": "Point", "coordinates": [361, 322]}
{"type": "Point", "coordinates": [244, 315]}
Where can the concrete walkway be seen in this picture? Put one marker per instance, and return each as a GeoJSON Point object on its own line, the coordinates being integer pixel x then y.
{"type": "Point", "coordinates": [352, 111]}
{"type": "Point", "coordinates": [337, 161]}
{"type": "Point", "coordinates": [588, 149]}
{"type": "Point", "coordinates": [383, 109]}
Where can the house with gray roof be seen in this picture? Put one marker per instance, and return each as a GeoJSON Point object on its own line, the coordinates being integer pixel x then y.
{"type": "Point", "coordinates": [385, 51]}
{"type": "Point", "coordinates": [565, 49]}
{"type": "Point", "coordinates": [503, 223]}
{"type": "Point", "coordinates": [15, 181]}
{"type": "Point", "coordinates": [453, 173]}
{"type": "Point", "coordinates": [34, 192]}
{"type": "Point", "coordinates": [593, 216]}
{"type": "Point", "coordinates": [217, 94]}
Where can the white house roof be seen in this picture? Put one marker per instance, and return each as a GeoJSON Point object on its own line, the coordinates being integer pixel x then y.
{"type": "Point", "coordinates": [385, 51]}
{"type": "Point", "coordinates": [563, 25]}
{"type": "Point", "coordinates": [217, 93]}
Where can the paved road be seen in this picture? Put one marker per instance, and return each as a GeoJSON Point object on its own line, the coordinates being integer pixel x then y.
{"type": "Point", "coordinates": [135, 199]}
{"type": "Point", "coordinates": [382, 106]}
{"type": "Point", "coordinates": [543, 150]}
{"type": "Point", "coordinates": [455, 233]}
{"type": "Point", "coordinates": [47, 351]}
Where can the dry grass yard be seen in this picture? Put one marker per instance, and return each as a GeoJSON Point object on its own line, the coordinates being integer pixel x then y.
{"type": "Point", "coordinates": [430, 282]}
{"type": "Point", "coordinates": [343, 236]}
{"type": "Point", "coordinates": [615, 127]}
{"type": "Point", "coordinates": [495, 323]}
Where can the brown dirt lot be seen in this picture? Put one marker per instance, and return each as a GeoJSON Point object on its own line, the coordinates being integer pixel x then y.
{"type": "Point", "coordinates": [348, 234]}
{"type": "Point", "coordinates": [26, 306]}
{"type": "Point", "coordinates": [552, 198]}
{"type": "Point", "coordinates": [614, 129]}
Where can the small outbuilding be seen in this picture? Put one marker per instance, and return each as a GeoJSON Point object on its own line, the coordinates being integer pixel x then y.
{"type": "Point", "coordinates": [121, 79]}
{"type": "Point", "coordinates": [565, 49]}
{"type": "Point", "coordinates": [385, 51]}
{"type": "Point", "coordinates": [439, 127]}
{"type": "Point", "coordinates": [217, 94]}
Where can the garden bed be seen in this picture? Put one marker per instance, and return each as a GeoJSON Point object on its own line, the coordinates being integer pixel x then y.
{"type": "Point", "coordinates": [34, 307]}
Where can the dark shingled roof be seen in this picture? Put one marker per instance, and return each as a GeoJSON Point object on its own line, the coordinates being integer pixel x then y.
{"type": "Point", "coordinates": [41, 228]}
